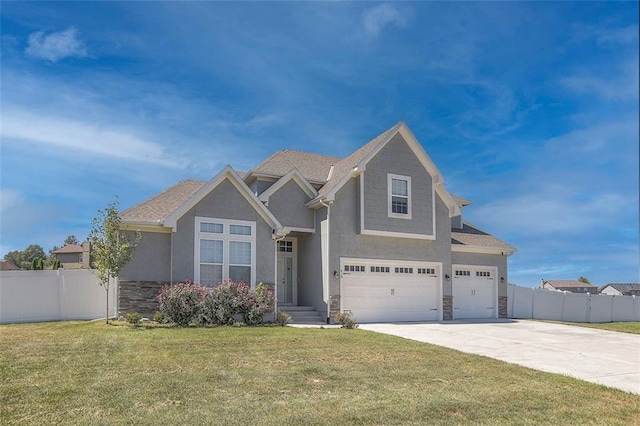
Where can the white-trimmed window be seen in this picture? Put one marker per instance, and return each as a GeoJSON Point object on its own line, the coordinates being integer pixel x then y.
{"type": "Point", "coordinates": [399, 196]}
{"type": "Point", "coordinates": [224, 250]}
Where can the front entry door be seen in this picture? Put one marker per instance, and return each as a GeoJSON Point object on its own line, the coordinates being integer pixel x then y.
{"type": "Point", "coordinates": [287, 278]}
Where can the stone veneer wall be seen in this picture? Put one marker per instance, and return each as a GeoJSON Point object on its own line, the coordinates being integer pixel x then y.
{"type": "Point", "coordinates": [502, 307]}
{"type": "Point", "coordinates": [334, 308]}
{"type": "Point", "coordinates": [139, 296]}
{"type": "Point", "coordinates": [447, 308]}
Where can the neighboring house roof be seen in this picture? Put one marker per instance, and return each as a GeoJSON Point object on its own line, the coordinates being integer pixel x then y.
{"type": "Point", "coordinates": [471, 237]}
{"type": "Point", "coordinates": [623, 288]}
{"type": "Point", "coordinates": [314, 167]}
{"type": "Point", "coordinates": [5, 265]}
{"type": "Point", "coordinates": [568, 284]}
{"type": "Point", "coordinates": [159, 207]}
{"type": "Point", "coordinates": [71, 248]}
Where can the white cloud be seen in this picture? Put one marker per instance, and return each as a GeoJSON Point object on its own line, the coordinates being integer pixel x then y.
{"type": "Point", "coordinates": [88, 138]}
{"type": "Point", "coordinates": [381, 16]}
{"type": "Point", "coordinates": [8, 199]}
{"type": "Point", "coordinates": [55, 46]}
{"type": "Point", "coordinates": [623, 35]}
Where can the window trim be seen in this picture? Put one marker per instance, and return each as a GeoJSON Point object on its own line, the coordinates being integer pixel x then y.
{"type": "Point", "coordinates": [226, 237]}
{"type": "Point", "coordinates": [390, 195]}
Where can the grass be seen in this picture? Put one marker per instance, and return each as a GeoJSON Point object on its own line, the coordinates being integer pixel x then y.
{"type": "Point", "coordinates": [623, 327]}
{"type": "Point", "coordinates": [92, 373]}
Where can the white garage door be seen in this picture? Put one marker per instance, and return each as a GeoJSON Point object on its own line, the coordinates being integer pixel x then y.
{"type": "Point", "coordinates": [380, 291]}
{"type": "Point", "coordinates": [474, 292]}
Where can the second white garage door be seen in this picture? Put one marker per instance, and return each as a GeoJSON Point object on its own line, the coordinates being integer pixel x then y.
{"type": "Point", "coordinates": [383, 291]}
{"type": "Point", "coordinates": [474, 292]}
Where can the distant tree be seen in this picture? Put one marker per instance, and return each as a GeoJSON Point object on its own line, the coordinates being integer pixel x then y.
{"type": "Point", "coordinates": [24, 259]}
{"type": "Point", "coordinates": [584, 280]}
{"type": "Point", "coordinates": [37, 264]}
{"type": "Point", "coordinates": [71, 240]}
{"type": "Point", "coordinates": [111, 247]}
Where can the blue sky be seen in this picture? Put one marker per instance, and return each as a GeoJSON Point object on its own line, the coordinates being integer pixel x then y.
{"type": "Point", "coordinates": [530, 109]}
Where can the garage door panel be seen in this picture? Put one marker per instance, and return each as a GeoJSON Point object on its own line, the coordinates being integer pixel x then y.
{"type": "Point", "coordinates": [474, 292]}
{"type": "Point", "coordinates": [376, 297]}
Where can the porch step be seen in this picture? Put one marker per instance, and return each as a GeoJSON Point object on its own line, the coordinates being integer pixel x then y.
{"type": "Point", "coordinates": [302, 314]}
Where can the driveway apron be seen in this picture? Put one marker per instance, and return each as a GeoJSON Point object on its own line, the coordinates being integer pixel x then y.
{"type": "Point", "coordinates": [605, 357]}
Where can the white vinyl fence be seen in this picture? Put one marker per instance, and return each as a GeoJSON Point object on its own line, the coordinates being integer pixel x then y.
{"type": "Point", "coordinates": [525, 302]}
{"type": "Point", "coordinates": [32, 296]}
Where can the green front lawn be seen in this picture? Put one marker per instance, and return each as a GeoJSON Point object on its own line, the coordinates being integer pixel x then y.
{"type": "Point", "coordinates": [624, 327]}
{"type": "Point", "coordinates": [91, 373]}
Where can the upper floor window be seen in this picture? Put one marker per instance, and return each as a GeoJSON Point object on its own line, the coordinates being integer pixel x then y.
{"type": "Point", "coordinates": [399, 196]}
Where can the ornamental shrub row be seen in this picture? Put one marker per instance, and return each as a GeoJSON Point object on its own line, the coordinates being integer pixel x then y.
{"type": "Point", "coordinates": [188, 303]}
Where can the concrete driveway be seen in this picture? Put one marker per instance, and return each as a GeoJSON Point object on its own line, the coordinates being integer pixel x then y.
{"type": "Point", "coordinates": [605, 357]}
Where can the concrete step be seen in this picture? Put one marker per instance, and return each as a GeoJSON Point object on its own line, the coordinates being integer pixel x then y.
{"type": "Point", "coordinates": [302, 314]}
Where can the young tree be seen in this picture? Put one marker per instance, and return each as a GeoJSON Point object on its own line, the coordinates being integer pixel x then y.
{"type": "Point", "coordinates": [111, 247]}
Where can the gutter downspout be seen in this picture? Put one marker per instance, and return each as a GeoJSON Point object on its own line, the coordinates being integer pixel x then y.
{"type": "Point", "coordinates": [328, 206]}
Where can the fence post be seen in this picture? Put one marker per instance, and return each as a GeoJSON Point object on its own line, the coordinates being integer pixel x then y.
{"type": "Point", "coordinates": [60, 285]}
{"type": "Point", "coordinates": [589, 307]}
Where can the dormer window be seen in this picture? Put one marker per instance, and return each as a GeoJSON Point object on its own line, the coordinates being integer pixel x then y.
{"type": "Point", "coordinates": [399, 196]}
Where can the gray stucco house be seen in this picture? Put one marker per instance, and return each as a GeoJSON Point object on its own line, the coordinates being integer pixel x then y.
{"type": "Point", "coordinates": [375, 233]}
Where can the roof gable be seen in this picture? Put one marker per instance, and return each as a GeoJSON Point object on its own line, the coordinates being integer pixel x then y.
{"type": "Point", "coordinates": [356, 163]}
{"type": "Point", "coordinates": [226, 174]}
{"type": "Point", "coordinates": [293, 175]}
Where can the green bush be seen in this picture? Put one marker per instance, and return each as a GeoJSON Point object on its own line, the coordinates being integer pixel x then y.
{"type": "Point", "coordinates": [229, 300]}
{"type": "Point", "coordinates": [346, 320]}
{"type": "Point", "coordinates": [133, 318]}
{"type": "Point", "coordinates": [283, 318]}
{"type": "Point", "coordinates": [158, 317]}
{"type": "Point", "coordinates": [181, 303]}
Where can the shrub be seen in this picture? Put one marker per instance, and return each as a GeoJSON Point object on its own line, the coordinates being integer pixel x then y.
{"type": "Point", "coordinates": [258, 303]}
{"type": "Point", "coordinates": [346, 320]}
{"type": "Point", "coordinates": [283, 318]}
{"type": "Point", "coordinates": [181, 303]}
{"type": "Point", "coordinates": [133, 318]}
{"type": "Point", "coordinates": [229, 299]}
{"type": "Point", "coordinates": [158, 317]}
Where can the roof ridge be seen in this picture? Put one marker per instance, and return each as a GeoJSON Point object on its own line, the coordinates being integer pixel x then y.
{"type": "Point", "coordinates": [159, 194]}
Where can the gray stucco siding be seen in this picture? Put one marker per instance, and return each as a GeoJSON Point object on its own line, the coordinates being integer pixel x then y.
{"type": "Point", "coordinates": [68, 257]}
{"type": "Point", "coordinates": [310, 267]}
{"type": "Point", "coordinates": [344, 240]}
{"type": "Point", "coordinates": [397, 158]}
{"type": "Point", "coordinates": [223, 202]}
{"type": "Point", "coordinates": [288, 206]}
{"type": "Point", "coordinates": [480, 259]}
{"type": "Point", "coordinates": [151, 259]}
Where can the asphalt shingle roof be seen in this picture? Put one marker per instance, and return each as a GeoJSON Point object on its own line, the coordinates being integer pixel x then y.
{"type": "Point", "coordinates": [624, 287]}
{"type": "Point", "coordinates": [160, 206]}
{"type": "Point", "coordinates": [568, 283]}
{"type": "Point", "coordinates": [471, 235]}
{"type": "Point", "coordinates": [71, 248]}
{"type": "Point", "coordinates": [314, 167]}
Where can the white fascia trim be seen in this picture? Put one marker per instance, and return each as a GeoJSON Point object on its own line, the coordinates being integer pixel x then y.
{"type": "Point", "coordinates": [144, 227]}
{"type": "Point", "coordinates": [297, 177]}
{"type": "Point", "coordinates": [397, 234]}
{"type": "Point", "coordinates": [295, 229]}
{"type": "Point", "coordinates": [454, 208]}
{"type": "Point", "coordinates": [479, 250]}
{"type": "Point", "coordinates": [226, 173]}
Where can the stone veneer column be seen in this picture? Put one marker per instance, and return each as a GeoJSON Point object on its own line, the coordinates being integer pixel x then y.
{"type": "Point", "coordinates": [334, 308]}
{"type": "Point", "coordinates": [139, 296]}
{"type": "Point", "coordinates": [502, 307]}
{"type": "Point", "coordinates": [447, 308]}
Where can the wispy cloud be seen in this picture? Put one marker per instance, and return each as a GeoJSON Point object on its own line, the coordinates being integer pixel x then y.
{"type": "Point", "coordinates": [56, 46]}
{"type": "Point", "coordinates": [90, 138]}
{"type": "Point", "coordinates": [384, 15]}
{"type": "Point", "coordinates": [622, 86]}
